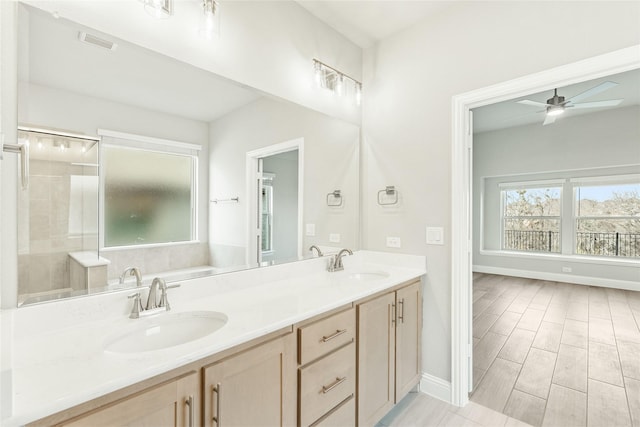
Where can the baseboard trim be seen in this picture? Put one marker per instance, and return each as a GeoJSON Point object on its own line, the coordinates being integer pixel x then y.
{"type": "Point", "coordinates": [435, 387]}
{"type": "Point", "coordinates": [559, 277]}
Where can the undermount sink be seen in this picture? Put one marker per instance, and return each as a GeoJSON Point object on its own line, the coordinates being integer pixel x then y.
{"type": "Point", "coordinates": [166, 331]}
{"type": "Point", "coordinates": [365, 276]}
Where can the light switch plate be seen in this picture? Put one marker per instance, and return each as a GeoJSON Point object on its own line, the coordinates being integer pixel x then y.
{"type": "Point", "coordinates": [435, 236]}
{"type": "Point", "coordinates": [334, 238]}
{"type": "Point", "coordinates": [310, 229]}
{"type": "Point", "coordinates": [393, 242]}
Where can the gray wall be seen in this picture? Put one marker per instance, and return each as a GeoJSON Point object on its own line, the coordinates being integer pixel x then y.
{"type": "Point", "coordinates": [409, 79]}
{"type": "Point", "coordinates": [598, 144]}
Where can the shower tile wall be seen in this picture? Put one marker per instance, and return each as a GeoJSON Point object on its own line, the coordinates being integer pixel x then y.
{"type": "Point", "coordinates": [44, 238]}
{"type": "Point", "coordinates": [156, 260]}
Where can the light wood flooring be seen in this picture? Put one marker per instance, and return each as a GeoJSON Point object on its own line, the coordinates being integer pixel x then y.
{"type": "Point", "coordinates": [556, 354]}
{"type": "Point", "coordinates": [421, 410]}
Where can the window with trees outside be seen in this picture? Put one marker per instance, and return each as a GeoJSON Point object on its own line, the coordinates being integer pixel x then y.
{"type": "Point", "coordinates": [592, 216]}
{"type": "Point", "coordinates": [607, 218]}
{"type": "Point", "coordinates": [531, 218]}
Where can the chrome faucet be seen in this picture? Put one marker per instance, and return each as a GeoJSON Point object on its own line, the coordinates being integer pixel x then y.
{"type": "Point", "coordinates": [132, 271]}
{"type": "Point", "coordinates": [152, 300]}
{"type": "Point", "coordinates": [312, 247]}
{"type": "Point", "coordinates": [335, 264]}
{"type": "Point", "coordinates": [153, 305]}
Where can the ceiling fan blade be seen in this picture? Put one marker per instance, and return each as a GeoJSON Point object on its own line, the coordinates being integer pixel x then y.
{"type": "Point", "coordinates": [593, 91]}
{"type": "Point", "coordinates": [596, 104]}
{"type": "Point", "coordinates": [532, 103]}
{"type": "Point", "coordinates": [548, 120]}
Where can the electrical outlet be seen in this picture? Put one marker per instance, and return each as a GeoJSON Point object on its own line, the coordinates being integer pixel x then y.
{"type": "Point", "coordinates": [566, 269]}
{"type": "Point", "coordinates": [393, 242]}
{"type": "Point", "coordinates": [334, 238]}
{"type": "Point", "coordinates": [310, 230]}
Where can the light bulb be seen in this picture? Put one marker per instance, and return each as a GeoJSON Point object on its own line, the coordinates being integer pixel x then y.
{"type": "Point", "coordinates": [156, 8]}
{"type": "Point", "coordinates": [208, 25]}
{"type": "Point", "coordinates": [317, 73]}
{"type": "Point", "coordinates": [340, 85]}
{"type": "Point", "coordinates": [555, 110]}
{"type": "Point", "coordinates": [358, 93]}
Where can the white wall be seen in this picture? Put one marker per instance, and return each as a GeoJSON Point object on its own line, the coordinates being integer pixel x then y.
{"type": "Point", "coordinates": [268, 45]}
{"type": "Point", "coordinates": [330, 163]}
{"type": "Point", "coordinates": [53, 108]}
{"type": "Point", "coordinates": [409, 80]}
{"type": "Point", "coordinates": [603, 143]}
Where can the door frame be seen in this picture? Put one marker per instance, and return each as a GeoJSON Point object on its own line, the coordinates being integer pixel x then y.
{"type": "Point", "coordinates": [461, 189]}
{"type": "Point", "coordinates": [252, 189]}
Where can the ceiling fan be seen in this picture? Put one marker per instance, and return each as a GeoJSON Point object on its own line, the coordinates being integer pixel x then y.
{"type": "Point", "coordinates": [556, 105]}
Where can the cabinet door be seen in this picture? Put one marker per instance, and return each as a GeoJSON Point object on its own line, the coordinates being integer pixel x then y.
{"type": "Point", "coordinates": [253, 388]}
{"type": "Point", "coordinates": [408, 332]}
{"type": "Point", "coordinates": [175, 403]}
{"type": "Point", "coordinates": [376, 352]}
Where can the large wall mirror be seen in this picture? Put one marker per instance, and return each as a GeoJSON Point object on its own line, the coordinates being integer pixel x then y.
{"type": "Point", "coordinates": [139, 160]}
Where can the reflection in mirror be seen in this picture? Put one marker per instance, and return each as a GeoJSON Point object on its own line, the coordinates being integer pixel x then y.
{"type": "Point", "coordinates": [174, 144]}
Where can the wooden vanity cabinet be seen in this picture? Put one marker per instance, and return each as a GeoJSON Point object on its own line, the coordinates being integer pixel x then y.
{"type": "Point", "coordinates": [389, 328]}
{"type": "Point", "coordinates": [252, 388]}
{"type": "Point", "coordinates": [327, 370]}
{"type": "Point", "coordinates": [174, 403]}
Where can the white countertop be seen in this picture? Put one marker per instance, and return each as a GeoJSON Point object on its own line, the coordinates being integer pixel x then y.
{"type": "Point", "coordinates": [53, 358]}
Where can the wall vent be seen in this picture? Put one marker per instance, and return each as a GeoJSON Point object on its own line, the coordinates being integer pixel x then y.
{"type": "Point", "coordinates": [96, 41]}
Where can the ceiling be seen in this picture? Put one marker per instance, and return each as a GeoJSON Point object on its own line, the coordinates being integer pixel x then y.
{"type": "Point", "coordinates": [128, 75]}
{"type": "Point", "coordinates": [510, 114]}
{"type": "Point", "coordinates": [367, 22]}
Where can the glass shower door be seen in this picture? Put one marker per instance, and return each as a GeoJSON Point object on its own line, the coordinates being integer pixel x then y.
{"type": "Point", "coordinates": [57, 216]}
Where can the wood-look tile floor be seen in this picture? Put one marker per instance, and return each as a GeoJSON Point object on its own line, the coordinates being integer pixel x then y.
{"type": "Point", "coordinates": [556, 354]}
{"type": "Point", "coordinates": [421, 410]}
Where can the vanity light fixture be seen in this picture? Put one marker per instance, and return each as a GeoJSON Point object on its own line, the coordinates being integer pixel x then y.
{"type": "Point", "coordinates": [209, 23]}
{"type": "Point", "coordinates": [327, 77]}
{"type": "Point", "coordinates": [159, 9]}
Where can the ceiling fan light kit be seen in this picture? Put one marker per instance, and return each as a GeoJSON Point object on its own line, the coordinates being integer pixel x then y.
{"type": "Point", "coordinates": [556, 105]}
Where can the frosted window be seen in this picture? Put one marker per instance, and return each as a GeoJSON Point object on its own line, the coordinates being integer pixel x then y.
{"type": "Point", "coordinates": [148, 197]}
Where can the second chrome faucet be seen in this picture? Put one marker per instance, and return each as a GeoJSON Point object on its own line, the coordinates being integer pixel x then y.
{"type": "Point", "coordinates": [335, 263]}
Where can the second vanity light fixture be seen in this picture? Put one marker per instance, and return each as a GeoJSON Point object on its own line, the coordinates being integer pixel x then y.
{"type": "Point", "coordinates": [341, 84]}
{"type": "Point", "coordinates": [209, 21]}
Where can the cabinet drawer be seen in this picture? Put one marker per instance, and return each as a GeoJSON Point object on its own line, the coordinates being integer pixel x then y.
{"type": "Point", "coordinates": [324, 336]}
{"type": "Point", "coordinates": [342, 416]}
{"type": "Point", "coordinates": [326, 383]}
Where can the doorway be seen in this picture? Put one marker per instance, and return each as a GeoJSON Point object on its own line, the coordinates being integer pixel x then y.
{"type": "Point", "coordinates": [275, 181]}
{"type": "Point", "coordinates": [462, 241]}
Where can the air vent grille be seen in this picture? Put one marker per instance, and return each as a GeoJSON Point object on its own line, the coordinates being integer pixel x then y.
{"type": "Point", "coordinates": [96, 41]}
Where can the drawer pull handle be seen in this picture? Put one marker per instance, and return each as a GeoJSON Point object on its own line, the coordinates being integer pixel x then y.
{"type": "Point", "coordinates": [401, 307]}
{"type": "Point", "coordinates": [216, 390]}
{"type": "Point", "coordinates": [334, 335]}
{"type": "Point", "coordinates": [336, 383]}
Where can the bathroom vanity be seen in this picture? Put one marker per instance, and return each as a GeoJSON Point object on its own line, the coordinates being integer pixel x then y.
{"type": "Point", "coordinates": [299, 346]}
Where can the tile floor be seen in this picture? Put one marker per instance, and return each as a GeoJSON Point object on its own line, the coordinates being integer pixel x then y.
{"type": "Point", "coordinates": [421, 410]}
{"type": "Point", "coordinates": [556, 354]}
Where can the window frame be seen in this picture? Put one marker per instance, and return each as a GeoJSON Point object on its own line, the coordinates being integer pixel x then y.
{"type": "Point", "coordinates": [110, 139]}
{"type": "Point", "coordinates": [599, 181]}
{"type": "Point", "coordinates": [523, 185]}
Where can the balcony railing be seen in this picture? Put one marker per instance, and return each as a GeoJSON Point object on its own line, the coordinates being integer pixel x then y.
{"type": "Point", "coordinates": [608, 244]}
{"type": "Point", "coordinates": [532, 240]}
{"type": "Point", "coordinates": [587, 243]}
